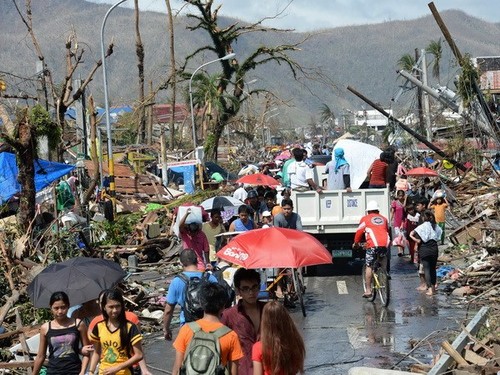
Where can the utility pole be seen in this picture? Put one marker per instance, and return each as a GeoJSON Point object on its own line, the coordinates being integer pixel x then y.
{"type": "Point", "coordinates": [427, 114]}
{"type": "Point", "coordinates": [43, 145]}
{"type": "Point", "coordinates": [420, 95]}
{"type": "Point", "coordinates": [419, 137]}
{"type": "Point", "coordinates": [491, 121]}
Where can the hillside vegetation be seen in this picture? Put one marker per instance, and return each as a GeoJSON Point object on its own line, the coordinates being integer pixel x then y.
{"type": "Point", "coordinates": [364, 57]}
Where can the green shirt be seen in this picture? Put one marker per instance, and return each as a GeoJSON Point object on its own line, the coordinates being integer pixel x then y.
{"type": "Point", "coordinates": [217, 177]}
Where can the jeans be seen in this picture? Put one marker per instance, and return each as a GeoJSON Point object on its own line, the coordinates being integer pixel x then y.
{"type": "Point", "coordinates": [429, 263]}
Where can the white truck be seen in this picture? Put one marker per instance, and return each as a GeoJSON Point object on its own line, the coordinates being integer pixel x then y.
{"type": "Point", "coordinates": [333, 216]}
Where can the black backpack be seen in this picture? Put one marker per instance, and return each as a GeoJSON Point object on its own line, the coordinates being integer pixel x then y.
{"type": "Point", "coordinates": [192, 308]}
{"type": "Point", "coordinates": [231, 294]}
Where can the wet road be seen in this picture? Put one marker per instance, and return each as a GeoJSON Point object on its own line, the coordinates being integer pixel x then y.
{"type": "Point", "coordinates": [342, 330]}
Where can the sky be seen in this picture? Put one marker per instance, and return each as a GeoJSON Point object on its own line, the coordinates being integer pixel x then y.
{"type": "Point", "coordinates": [310, 15]}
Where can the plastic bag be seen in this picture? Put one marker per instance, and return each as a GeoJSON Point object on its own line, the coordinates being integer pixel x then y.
{"type": "Point", "coordinates": [400, 240]}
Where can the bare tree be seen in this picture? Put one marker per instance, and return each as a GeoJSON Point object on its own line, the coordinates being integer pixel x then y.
{"type": "Point", "coordinates": [34, 122]}
{"type": "Point", "coordinates": [139, 51]}
{"type": "Point", "coordinates": [74, 57]}
{"type": "Point", "coordinates": [93, 153]}
{"type": "Point", "coordinates": [234, 71]}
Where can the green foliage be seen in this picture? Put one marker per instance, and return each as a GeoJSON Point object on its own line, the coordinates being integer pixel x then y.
{"type": "Point", "coordinates": [44, 126]}
{"type": "Point", "coordinates": [31, 314]}
{"type": "Point", "coordinates": [209, 142]}
{"type": "Point", "coordinates": [406, 62]}
{"type": "Point", "coordinates": [436, 50]}
{"type": "Point", "coordinates": [118, 231]}
{"type": "Point", "coordinates": [61, 245]}
{"type": "Point", "coordinates": [325, 113]}
{"type": "Point", "coordinates": [466, 80]}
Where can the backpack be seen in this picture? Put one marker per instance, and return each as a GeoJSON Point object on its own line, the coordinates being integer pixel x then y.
{"type": "Point", "coordinates": [192, 308]}
{"type": "Point", "coordinates": [231, 294]}
{"type": "Point", "coordinates": [203, 355]}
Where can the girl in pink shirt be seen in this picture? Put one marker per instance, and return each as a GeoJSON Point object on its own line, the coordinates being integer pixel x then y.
{"type": "Point", "coordinates": [281, 349]}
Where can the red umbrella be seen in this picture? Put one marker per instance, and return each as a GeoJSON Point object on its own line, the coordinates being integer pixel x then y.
{"type": "Point", "coordinates": [422, 171]}
{"type": "Point", "coordinates": [275, 247]}
{"type": "Point", "coordinates": [258, 179]}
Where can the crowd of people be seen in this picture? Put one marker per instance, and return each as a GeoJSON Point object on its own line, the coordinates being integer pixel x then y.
{"type": "Point", "coordinates": [218, 333]}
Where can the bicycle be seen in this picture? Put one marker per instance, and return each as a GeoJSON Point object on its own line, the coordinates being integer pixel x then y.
{"type": "Point", "coordinates": [292, 285]}
{"type": "Point", "coordinates": [380, 281]}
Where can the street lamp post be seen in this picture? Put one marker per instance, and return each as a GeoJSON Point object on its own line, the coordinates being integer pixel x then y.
{"type": "Point", "coordinates": [111, 164]}
{"type": "Point", "coordinates": [227, 57]}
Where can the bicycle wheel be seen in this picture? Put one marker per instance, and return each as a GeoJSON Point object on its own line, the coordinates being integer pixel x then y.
{"type": "Point", "coordinates": [384, 289]}
{"type": "Point", "coordinates": [363, 273]}
{"type": "Point", "coordinates": [297, 283]}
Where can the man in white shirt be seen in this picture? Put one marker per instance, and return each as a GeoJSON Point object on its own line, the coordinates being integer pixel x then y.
{"type": "Point", "coordinates": [240, 193]}
{"type": "Point", "coordinates": [301, 175]}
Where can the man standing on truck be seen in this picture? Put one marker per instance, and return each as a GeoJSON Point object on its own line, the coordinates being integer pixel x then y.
{"type": "Point", "coordinates": [338, 170]}
{"type": "Point", "coordinates": [301, 175]}
{"type": "Point", "coordinates": [375, 228]}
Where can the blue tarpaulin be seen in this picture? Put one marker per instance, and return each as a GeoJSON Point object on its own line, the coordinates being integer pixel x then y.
{"type": "Point", "coordinates": [45, 173]}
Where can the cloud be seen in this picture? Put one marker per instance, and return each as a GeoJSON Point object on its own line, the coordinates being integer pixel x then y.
{"type": "Point", "coordinates": [309, 15]}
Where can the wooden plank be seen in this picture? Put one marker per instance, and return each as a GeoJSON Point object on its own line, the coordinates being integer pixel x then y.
{"type": "Point", "coordinates": [453, 353]}
{"type": "Point", "coordinates": [22, 339]}
{"type": "Point", "coordinates": [459, 343]}
{"type": "Point", "coordinates": [474, 358]}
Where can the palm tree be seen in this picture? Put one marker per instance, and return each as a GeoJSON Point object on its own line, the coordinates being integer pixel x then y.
{"type": "Point", "coordinates": [406, 62]}
{"type": "Point", "coordinates": [325, 113]}
{"type": "Point", "coordinates": [436, 50]}
{"type": "Point", "coordinates": [326, 117]}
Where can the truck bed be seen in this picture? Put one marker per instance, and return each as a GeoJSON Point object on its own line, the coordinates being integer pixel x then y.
{"type": "Point", "coordinates": [337, 211]}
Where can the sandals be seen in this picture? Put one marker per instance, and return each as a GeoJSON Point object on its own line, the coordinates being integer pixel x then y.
{"type": "Point", "coordinates": [367, 295]}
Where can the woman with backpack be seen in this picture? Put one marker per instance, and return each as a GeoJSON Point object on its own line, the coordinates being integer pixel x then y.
{"type": "Point", "coordinates": [281, 349]}
{"type": "Point", "coordinates": [62, 336]}
{"type": "Point", "coordinates": [427, 236]}
{"type": "Point", "coordinates": [117, 342]}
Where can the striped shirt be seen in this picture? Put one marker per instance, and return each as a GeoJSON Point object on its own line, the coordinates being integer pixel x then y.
{"type": "Point", "coordinates": [378, 174]}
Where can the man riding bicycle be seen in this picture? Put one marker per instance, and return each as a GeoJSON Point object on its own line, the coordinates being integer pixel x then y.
{"type": "Point", "coordinates": [375, 228]}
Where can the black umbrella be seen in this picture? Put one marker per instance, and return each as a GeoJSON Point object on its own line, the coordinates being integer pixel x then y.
{"type": "Point", "coordinates": [81, 278]}
{"type": "Point", "coordinates": [220, 202]}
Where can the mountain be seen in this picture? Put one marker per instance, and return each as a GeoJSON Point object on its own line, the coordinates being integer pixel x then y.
{"type": "Point", "coordinates": [364, 57]}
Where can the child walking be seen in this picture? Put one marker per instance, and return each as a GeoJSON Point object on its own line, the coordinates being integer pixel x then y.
{"type": "Point", "coordinates": [281, 348]}
{"type": "Point", "coordinates": [63, 337]}
{"type": "Point", "coordinates": [439, 206]}
{"type": "Point", "coordinates": [117, 342]}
